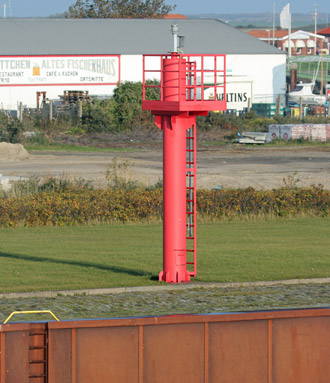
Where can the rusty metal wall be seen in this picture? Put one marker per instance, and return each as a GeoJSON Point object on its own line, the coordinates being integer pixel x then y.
{"type": "Point", "coordinates": [262, 347]}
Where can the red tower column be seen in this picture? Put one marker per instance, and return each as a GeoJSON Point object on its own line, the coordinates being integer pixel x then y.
{"type": "Point", "coordinates": [174, 176]}
{"type": "Point", "coordinates": [183, 87]}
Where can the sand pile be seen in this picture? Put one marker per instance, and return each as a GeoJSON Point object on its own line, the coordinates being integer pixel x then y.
{"type": "Point", "coordinates": [12, 152]}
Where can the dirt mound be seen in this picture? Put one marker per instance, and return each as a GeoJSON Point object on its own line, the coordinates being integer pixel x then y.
{"type": "Point", "coordinates": [12, 152]}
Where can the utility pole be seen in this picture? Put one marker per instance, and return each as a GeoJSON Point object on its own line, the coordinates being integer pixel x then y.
{"type": "Point", "coordinates": [289, 41]}
{"type": "Point", "coordinates": [273, 23]}
{"type": "Point", "coordinates": [315, 26]}
{"type": "Point", "coordinates": [5, 6]}
{"type": "Point", "coordinates": [4, 9]}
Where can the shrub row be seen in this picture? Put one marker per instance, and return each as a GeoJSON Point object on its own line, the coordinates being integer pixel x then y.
{"type": "Point", "coordinates": [281, 202]}
{"type": "Point", "coordinates": [73, 207]}
{"type": "Point", "coordinates": [80, 206]}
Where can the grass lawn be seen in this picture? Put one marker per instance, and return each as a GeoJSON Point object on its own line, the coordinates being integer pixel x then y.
{"type": "Point", "coordinates": [56, 258]}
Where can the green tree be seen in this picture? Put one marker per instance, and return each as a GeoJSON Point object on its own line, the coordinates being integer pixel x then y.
{"type": "Point", "coordinates": [123, 111]}
{"type": "Point", "coordinates": [103, 9]}
{"type": "Point", "coordinates": [127, 112]}
{"type": "Point", "coordinates": [98, 116]}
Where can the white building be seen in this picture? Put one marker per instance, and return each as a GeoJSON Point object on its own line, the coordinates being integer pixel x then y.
{"type": "Point", "coordinates": [53, 56]}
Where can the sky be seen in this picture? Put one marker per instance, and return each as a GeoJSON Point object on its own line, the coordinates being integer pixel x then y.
{"type": "Point", "coordinates": [43, 8]}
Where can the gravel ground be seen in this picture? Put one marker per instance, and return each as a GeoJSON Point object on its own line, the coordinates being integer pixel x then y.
{"type": "Point", "coordinates": [191, 300]}
{"type": "Point", "coordinates": [230, 166]}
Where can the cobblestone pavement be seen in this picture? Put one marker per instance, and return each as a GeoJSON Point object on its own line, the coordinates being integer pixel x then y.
{"type": "Point", "coordinates": [193, 300]}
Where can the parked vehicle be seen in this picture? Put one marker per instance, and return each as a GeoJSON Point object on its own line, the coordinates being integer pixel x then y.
{"type": "Point", "coordinates": [305, 91]}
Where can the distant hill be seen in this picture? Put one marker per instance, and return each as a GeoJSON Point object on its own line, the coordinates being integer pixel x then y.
{"type": "Point", "coordinates": [57, 16]}
{"type": "Point", "coordinates": [251, 20]}
{"type": "Point", "coordinates": [254, 20]}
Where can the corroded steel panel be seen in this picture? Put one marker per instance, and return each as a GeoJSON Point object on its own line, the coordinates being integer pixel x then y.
{"type": "Point", "coordinates": [2, 357]}
{"type": "Point", "coordinates": [238, 352]}
{"type": "Point", "coordinates": [273, 347]}
{"type": "Point", "coordinates": [107, 355]}
{"type": "Point", "coordinates": [174, 353]}
{"type": "Point", "coordinates": [60, 356]}
{"type": "Point", "coordinates": [177, 319]}
{"type": "Point", "coordinates": [17, 354]}
{"type": "Point", "coordinates": [301, 350]}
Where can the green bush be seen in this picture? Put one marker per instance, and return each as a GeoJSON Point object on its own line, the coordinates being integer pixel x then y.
{"type": "Point", "coordinates": [121, 112]}
{"type": "Point", "coordinates": [10, 129]}
{"type": "Point", "coordinates": [128, 111]}
{"type": "Point", "coordinates": [72, 205]}
{"type": "Point", "coordinates": [98, 116]}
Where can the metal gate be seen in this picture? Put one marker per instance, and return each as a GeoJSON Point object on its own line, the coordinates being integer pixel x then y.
{"type": "Point", "coordinates": [273, 347]}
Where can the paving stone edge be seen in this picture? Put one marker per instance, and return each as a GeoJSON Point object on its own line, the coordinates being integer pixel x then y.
{"type": "Point", "coordinates": [184, 286]}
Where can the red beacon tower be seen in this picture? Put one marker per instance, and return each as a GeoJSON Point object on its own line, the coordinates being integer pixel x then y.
{"type": "Point", "coordinates": [186, 86]}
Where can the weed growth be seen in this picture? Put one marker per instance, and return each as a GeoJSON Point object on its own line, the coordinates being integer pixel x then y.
{"type": "Point", "coordinates": [119, 175]}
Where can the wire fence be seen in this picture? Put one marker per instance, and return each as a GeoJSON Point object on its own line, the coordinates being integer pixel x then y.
{"type": "Point", "coordinates": [313, 68]}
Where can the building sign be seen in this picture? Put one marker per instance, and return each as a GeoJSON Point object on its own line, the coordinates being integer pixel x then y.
{"type": "Point", "coordinates": [59, 70]}
{"type": "Point", "coordinates": [237, 94]}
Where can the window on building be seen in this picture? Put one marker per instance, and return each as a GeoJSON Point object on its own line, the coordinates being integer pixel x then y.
{"type": "Point", "coordinates": [311, 47]}
{"type": "Point", "coordinates": [300, 45]}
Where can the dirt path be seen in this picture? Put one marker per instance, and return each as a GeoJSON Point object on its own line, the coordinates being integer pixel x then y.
{"type": "Point", "coordinates": [232, 166]}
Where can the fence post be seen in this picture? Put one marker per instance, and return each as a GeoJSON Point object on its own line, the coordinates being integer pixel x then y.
{"type": "Point", "coordinates": [20, 112]}
{"type": "Point", "coordinates": [278, 105]}
{"type": "Point", "coordinates": [300, 108]}
{"type": "Point", "coordinates": [80, 109]}
{"type": "Point", "coordinates": [51, 110]}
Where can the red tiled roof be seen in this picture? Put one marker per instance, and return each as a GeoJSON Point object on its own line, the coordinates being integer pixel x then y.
{"type": "Point", "coordinates": [324, 31]}
{"type": "Point", "coordinates": [175, 16]}
{"type": "Point", "coordinates": [263, 34]}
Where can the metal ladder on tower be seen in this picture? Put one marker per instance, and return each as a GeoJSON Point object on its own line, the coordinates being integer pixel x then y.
{"type": "Point", "coordinates": [191, 254]}
{"type": "Point", "coordinates": [38, 353]}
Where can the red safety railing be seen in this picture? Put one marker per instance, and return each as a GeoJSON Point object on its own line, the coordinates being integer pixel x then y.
{"type": "Point", "coordinates": [204, 87]}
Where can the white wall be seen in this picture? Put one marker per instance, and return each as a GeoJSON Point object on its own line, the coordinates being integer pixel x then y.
{"type": "Point", "coordinates": [267, 74]}
{"type": "Point", "coordinates": [22, 77]}
{"type": "Point", "coordinates": [11, 97]}
{"type": "Point", "coordinates": [259, 77]}
{"type": "Point", "coordinates": [131, 68]}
